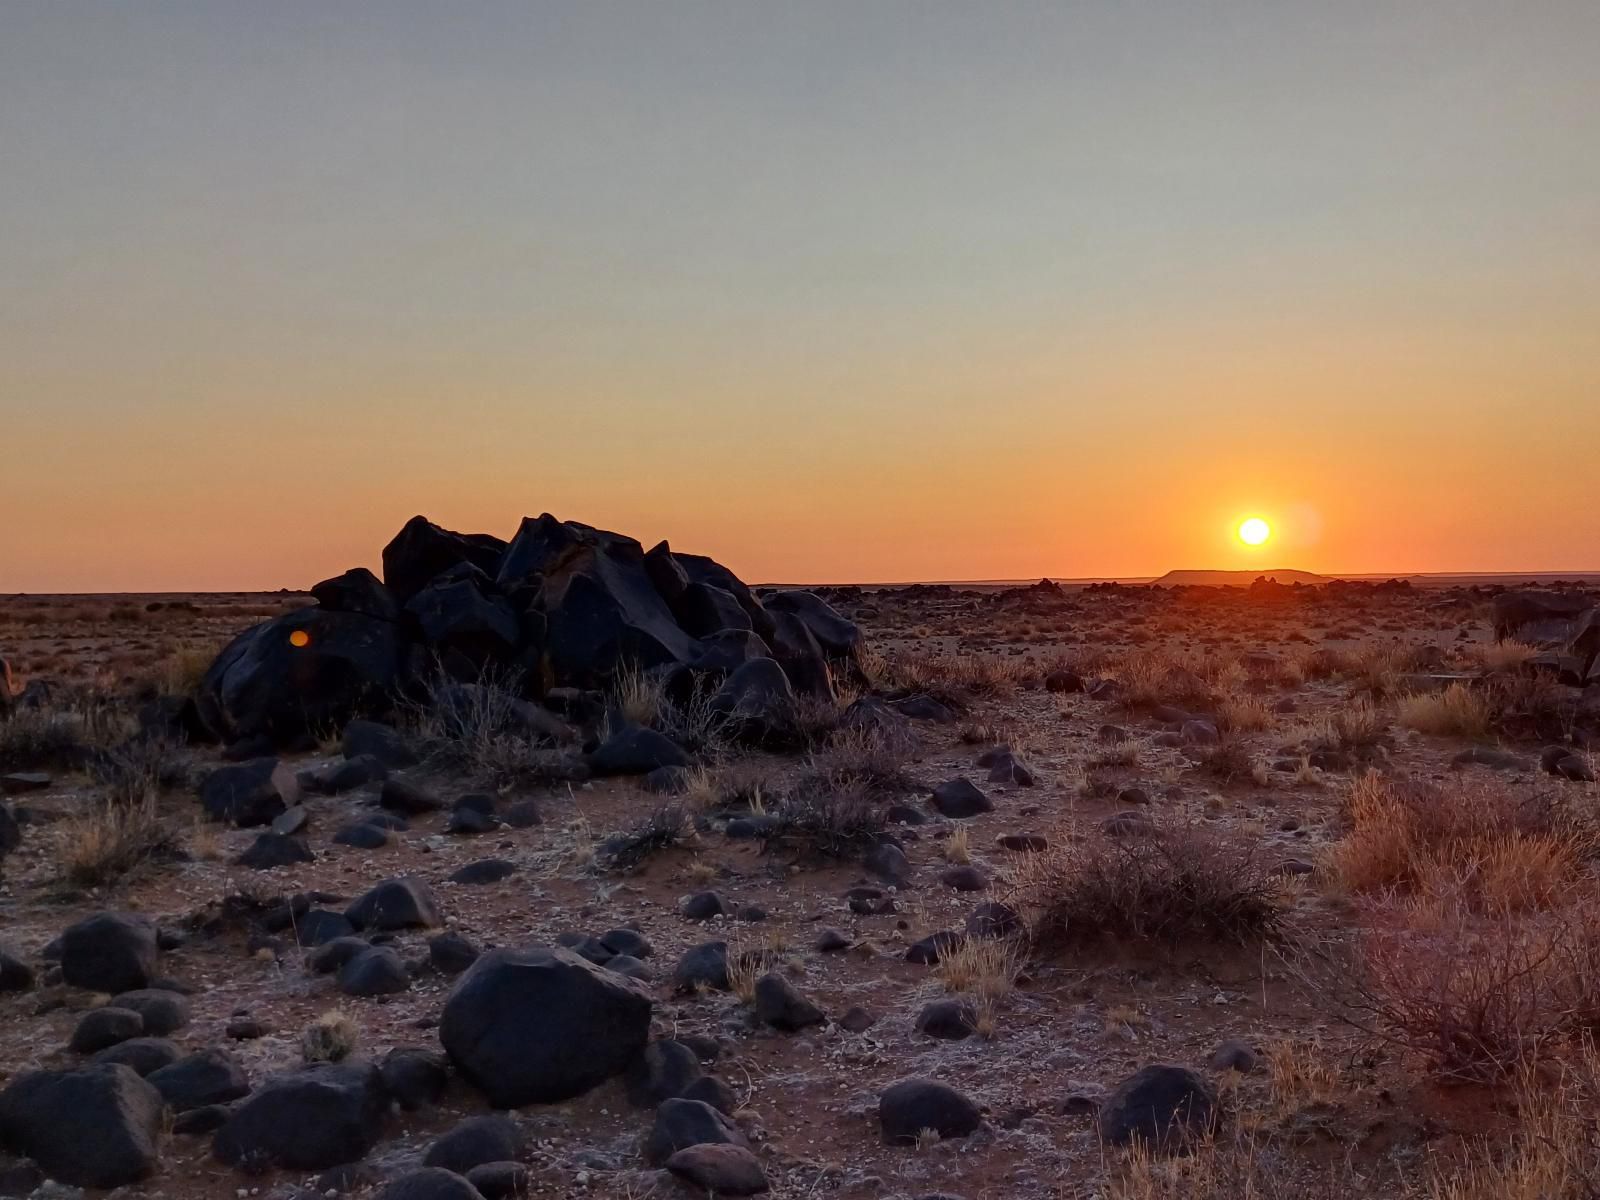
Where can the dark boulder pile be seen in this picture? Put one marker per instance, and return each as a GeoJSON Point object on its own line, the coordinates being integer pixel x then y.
{"type": "Point", "coordinates": [562, 605]}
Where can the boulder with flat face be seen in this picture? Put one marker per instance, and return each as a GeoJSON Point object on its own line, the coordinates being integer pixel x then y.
{"type": "Point", "coordinates": [459, 612]}
{"type": "Point", "coordinates": [602, 612]}
{"type": "Point", "coordinates": [421, 551]}
{"type": "Point", "coordinates": [1538, 616]}
{"type": "Point", "coordinates": [307, 1119]}
{"type": "Point", "coordinates": [357, 591]}
{"type": "Point", "coordinates": [96, 1127]}
{"type": "Point", "coordinates": [542, 1025]}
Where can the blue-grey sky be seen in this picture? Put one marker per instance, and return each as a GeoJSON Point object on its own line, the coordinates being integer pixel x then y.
{"type": "Point", "coordinates": [864, 290]}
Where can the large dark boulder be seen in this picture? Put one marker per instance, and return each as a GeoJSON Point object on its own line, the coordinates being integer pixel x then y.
{"type": "Point", "coordinates": [542, 1025]}
{"type": "Point", "coordinates": [682, 1123]}
{"type": "Point", "coordinates": [95, 1127]}
{"type": "Point", "coordinates": [1585, 644]}
{"type": "Point", "coordinates": [457, 613]}
{"type": "Point", "coordinates": [306, 1120]}
{"type": "Point", "coordinates": [636, 750]}
{"type": "Point", "coordinates": [602, 611]}
{"type": "Point", "coordinates": [421, 551]}
{"type": "Point", "coordinates": [205, 1077]}
{"type": "Point", "coordinates": [358, 591]}
{"type": "Point", "coordinates": [1538, 616]}
{"type": "Point", "coordinates": [1163, 1106]}
{"type": "Point", "coordinates": [109, 952]}
{"type": "Point", "coordinates": [395, 904]}
{"type": "Point", "coordinates": [243, 794]}
{"type": "Point", "coordinates": [475, 1141]}
{"type": "Point", "coordinates": [800, 654]}
{"type": "Point", "coordinates": [839, 637]}
{"type": "Point", "coordinates": [540, 540]}
{"type": "Point", "coordinates": [758, 702]}
{"type": "Point", "coordinates": [907, 1108]}
{"type": "Point", "coordinates": [703, 610]}
{"type": "Point", "coordinates": [697, 568]}
{"type": "Point", "coordinates": [308, 670]}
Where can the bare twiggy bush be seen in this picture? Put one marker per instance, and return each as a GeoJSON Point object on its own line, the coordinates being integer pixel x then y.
{"type": "Point", "coordinates": [666, 827]}
{"type": "Point", "coordinates": [137, 769]}
{"type": "Point", "coordinates": [1479, 840]}
{"type": "Point", "coordinates": [1456, 710]}
{"type": "Point", "coordinates": [1533, 705]}
{"type": "Point", "coordinates": [1182, 886]}
{"type": "Point", "coordinates": [868, 758]}
{"type": "Point", "coordinates": [824, 824]}
{"type": "Point", "coordinates": [1477, 997]}
{"type": "Point", "coordinates": [1230, 761]}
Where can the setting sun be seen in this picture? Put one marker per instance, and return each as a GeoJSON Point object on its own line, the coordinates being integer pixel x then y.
{"type": "Point", "coordinates": [1254, 531]}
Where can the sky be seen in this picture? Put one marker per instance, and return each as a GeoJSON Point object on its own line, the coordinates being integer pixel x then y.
{"type": "Point", "coordinates": [856, 291]}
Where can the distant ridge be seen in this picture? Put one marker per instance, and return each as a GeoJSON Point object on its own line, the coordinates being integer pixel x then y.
{"type": "Point", "coordinates": [1236, 578]}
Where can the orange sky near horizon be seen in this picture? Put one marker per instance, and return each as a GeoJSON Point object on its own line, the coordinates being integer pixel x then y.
{"type": "Point", "coordinates": [831, 295]}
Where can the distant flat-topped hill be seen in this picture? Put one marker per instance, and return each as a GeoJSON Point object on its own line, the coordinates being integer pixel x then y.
{"type": "Point", "coordinates": [1235, 578]}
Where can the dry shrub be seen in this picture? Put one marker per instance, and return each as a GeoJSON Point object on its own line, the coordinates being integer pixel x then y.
{"type": "Point", "coordinates": [1479, 840]}
{"type": "Point", "coordinates": [1533, 705]}
{"type": "Point", "coordinates": [824, 824]}
{"type": "Point", "coordinates": [958, 677]}
{"type": "Point", "coordinates": [1178, 886]}
{"type": "Point", "coordinates": [1457, 711]}
{"type": "Point", "coordinates": [1478, 998]}
{"type": "Point", "coordinates": [1191, 679]}
{"type": "Point", "coordinates": [869, 758]}
{"type": "Point", "coordinates": [482, 729]}
{"type": "Point", "coordinates": [113, 840]}
{"type": "Point", "coordinates": [42, 737]}
{"type": "Point", "coordinates": [1230, 761]}
{"type": "Point", "coordinates": [138, 768]}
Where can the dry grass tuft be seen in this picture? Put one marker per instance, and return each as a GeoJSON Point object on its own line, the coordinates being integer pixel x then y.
{"type": "Point", "coordinates": [332, 1037]}
{"type": "Point", "coordinates": [1503, 656]}
{"type": "Point", "coordinates": [1457, 711]}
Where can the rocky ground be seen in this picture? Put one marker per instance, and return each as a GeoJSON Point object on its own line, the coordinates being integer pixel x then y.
{"type": "Point", "coordinates": [929, 937]}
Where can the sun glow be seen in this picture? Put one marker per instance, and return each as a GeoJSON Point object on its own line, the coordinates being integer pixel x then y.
{"type": "Point", "coordinates": [1254, 531]}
